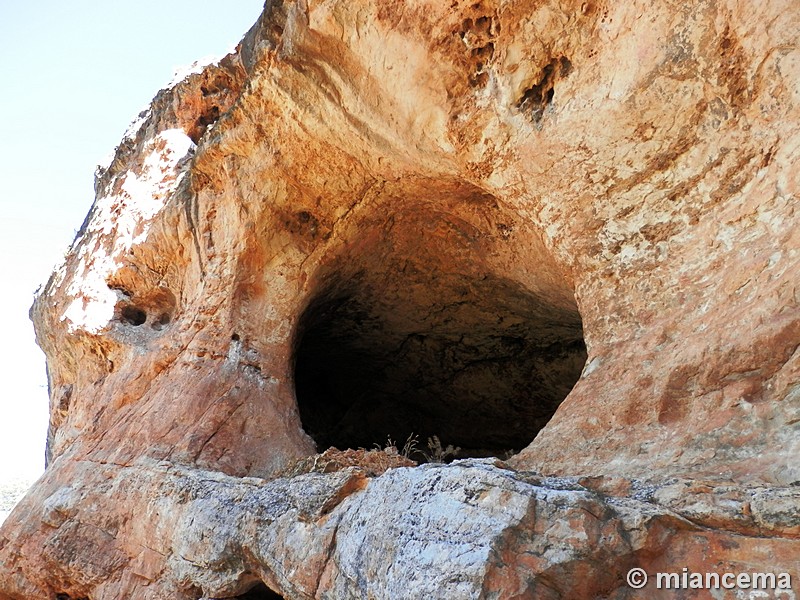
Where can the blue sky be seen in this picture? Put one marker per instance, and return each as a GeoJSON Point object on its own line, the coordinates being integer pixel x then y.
{"type": "Point", "coordinates": [73, 75]}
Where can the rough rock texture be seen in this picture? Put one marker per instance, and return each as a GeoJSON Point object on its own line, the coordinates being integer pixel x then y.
{"type": "Point", "coordinates": [467, 530]}
{"type": "Point", "coordinates": [391, 219]}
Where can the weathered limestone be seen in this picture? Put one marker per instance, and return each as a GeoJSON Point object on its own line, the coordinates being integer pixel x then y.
{"type": "Point", "coordinates": [382, 219]}
{"type": "Point", "coordinates": [465, 530]}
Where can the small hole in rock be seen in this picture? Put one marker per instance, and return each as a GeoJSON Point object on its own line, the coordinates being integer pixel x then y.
{"type": "Point", "coordinates": [483, 24]}
{"type": "Point", "coordinates": [133, 315]}
{"type": "Point", "coordinates": [235, 337]}
{"type": "Point", "coordinates": [539, 96]}
{"type": "Point", "coordinates": [259, 592]}
{"type": "Point", "coordinates": [484, 51]}
{"type": "Point", "coordinates": [162, 321]}
{"type": "Point", "coordinates": [566, 66]}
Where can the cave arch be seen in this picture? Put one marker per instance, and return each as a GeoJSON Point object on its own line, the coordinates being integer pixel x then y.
{"type": "Point", "coordinates": [402, 339]}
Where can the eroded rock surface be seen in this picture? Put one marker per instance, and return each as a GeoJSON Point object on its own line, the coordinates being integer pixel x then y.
{"type": "Point", "coordinates": [471, 529]}
{"type": "Point", "coordinates": [558, 233]}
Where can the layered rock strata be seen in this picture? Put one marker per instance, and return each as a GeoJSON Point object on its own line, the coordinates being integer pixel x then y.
{"type": "Point", "coordinates": [561, 234]}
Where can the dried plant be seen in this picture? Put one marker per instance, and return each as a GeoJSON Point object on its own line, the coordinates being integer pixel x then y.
{"type": "Point", "coordinates": [508, 454]}
{"type": "Point", "coordinates": [390, 447]}
{"type": "Point", "coordinates": [372, 463]}
{"type": "Point", "coordinates": [439, 454]}
{"type": "Point", "coordinates": [410, 447]}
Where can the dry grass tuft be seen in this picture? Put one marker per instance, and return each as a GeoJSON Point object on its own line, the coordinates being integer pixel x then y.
{"type": "Point", "coordinates": [372, 463]}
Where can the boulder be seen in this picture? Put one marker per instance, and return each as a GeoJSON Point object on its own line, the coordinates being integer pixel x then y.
{"type": "Point", "coordinates": [548, 250]}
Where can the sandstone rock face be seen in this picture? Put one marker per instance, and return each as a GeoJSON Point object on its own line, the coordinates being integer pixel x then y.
{"type": "Point", "coordinates": [556, 239]}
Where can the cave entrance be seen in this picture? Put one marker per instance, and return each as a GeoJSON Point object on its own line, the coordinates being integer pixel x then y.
{"type": "Point", "coordinates": [259, 591]}
{"type": "Point", "coordinates": [481, 364]}
{"type": "Point", "coordinates": [405, 339]}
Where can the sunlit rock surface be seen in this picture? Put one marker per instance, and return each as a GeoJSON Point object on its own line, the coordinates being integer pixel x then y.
{"type": "Point", "coordinates": [554, 241]}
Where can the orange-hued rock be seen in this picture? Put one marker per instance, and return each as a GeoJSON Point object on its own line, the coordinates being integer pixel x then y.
{"type": "Point", "coordinates": [562, 234]}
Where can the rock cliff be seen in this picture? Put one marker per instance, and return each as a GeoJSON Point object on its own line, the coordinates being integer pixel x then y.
{"type": "Point", "coordinates": [555, 241]}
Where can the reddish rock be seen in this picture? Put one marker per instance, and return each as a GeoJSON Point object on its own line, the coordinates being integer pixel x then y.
{"type": "Point", "coordinates": [560, 234]}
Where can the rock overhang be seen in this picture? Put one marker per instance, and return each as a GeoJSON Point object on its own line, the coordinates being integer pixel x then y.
{"type": "Point", "coordinates": [614, 171]}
